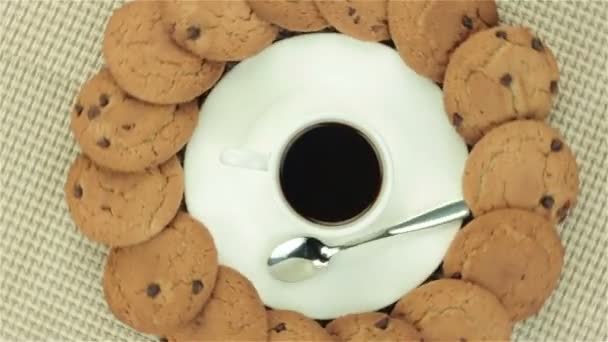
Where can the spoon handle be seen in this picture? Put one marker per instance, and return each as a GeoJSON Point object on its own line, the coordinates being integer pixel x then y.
{"type": "Point", "coordinates": [446, 213]}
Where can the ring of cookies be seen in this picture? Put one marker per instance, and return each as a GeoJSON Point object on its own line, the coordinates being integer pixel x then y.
{"type": "Point", "coordinates": [162, 276]}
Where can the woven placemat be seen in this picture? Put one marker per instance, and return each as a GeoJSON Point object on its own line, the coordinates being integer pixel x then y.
{"type": "Point", "coordinates": [50, 286]}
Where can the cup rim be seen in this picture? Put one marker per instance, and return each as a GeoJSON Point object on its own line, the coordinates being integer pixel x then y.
{"type": "Point", "coordinates": [366, 217]}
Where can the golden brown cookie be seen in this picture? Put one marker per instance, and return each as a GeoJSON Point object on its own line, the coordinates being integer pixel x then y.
{"type": "Point", "coordinates": [234, 313]}
{"type": "Point", "coordinates": [516, 254]}
{"type": "Point", "coordinates": [125, 134]}
{"type": "Point", "coordinates": [145, 61]}
{"type": "Point", "coordinates": [290, 326]}
{"type": "Point", "coordinates": [454, 310]}
{"type": "Point", "coordinates": [218, 30]}
{"type": "Point", "coordinates": [522, 164]}
{"type": "Point", "coordinates": [121, 209]}
{"type": "Point", "coordinates": [362, 19]}
{"type": "Point", "coordinates": [294, 15]}
{"type": "Point", "coordinates": [161, 284]}
{"type": "Point", "coordinates": [371, 326]}
{"type": "Point", "coordinates": [496, 76]}
{"type": "Point", "coordinates": [426, 32]}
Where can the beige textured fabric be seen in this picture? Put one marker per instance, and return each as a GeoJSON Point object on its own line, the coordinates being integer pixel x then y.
{"type": "Point", "coordinates": [50, 286]}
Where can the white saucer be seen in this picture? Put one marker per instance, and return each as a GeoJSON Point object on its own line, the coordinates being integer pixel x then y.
{"type": "Point", "coordinates": [297, 78]}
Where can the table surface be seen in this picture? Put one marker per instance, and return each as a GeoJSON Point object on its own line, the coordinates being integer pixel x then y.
{"type": "Point", "coordinates": [50, 276]}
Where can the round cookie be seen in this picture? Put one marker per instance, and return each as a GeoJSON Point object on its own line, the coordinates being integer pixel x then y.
{"type": "Point", "coordinates": [371, 326]}
{"type": "Point", "coordinates": [121, 209]}
{"type": "Point", "coordinates": [235, 312]}
{"type": "Point", "coordinates": [516, 254]}
{"type": "Point", "coordinates": [496, 76]}
{"type": "Point", "coordinates": [522, 164]}
{"type": "Point", "coordinates": [292, 326]}
{"type": "Point", "coordinates": [162, 284]}
{"type": "Point", "coordinates": [125, 134]}
{"type": "Point", "coordinates": [454, 310]}
{"type": "Point", "coordinates": [426, 32]}
{"type": "Point", "coordinates": [362, 19]}
{"type": "Point", "coordinates": [145, 61]}
{"type": "Point", "coordinates": [294, 15]}
{"type": "Point", "coordinates": [218, 30]}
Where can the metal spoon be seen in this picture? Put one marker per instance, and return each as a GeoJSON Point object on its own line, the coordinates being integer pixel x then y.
{"type": "Point", "coordinates": [303, 257]}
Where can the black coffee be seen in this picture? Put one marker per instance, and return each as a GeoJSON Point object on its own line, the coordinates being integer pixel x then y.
{"type": "Point", "coordinates": [331, 173]}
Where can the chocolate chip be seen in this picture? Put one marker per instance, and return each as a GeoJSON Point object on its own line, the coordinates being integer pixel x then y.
{"type": "Point", "coordinates": [537, 44]}
{"type": "Point", "coordinates": [556, 145]}
{"type": "Point", "coordinates": [193, 32]}
{"type": "Point", "coordinates": [106, 208]}
{"type": "Point", "coordinates": [553, 87]}
{"type": "Point", "coordinates": [104, 99]}
{"type": "Point", "coordinates": [523, 277]}
{"type": "Point", "coordinates": [501, 35]}
{"type": "Point", "coordinates": [78, 109]}
{"type": "Point", "coordinates": [462, 339]}
{"type": "Point", "coordinates": [197, 286]}
{"type": "Point", "coordinates": [547, 201]}
{"type": "Point", "coordinates": [356, 19]}
{"type": "Point", "coordinates": [128, 127]}
{"type": "Point", "coordinates": [163, 339]}
{"type": "Point", "coordinates": [153, 290]}
{"type": "Point", "coordinates": [93, 112]}
{"type": "Point", "coordinates": [77, 191]}
{"type": "Point", "coordinates": [422, 339]}
{"type": "Point", "coordinates": [279, 327]}
{"type": "Point", "coordinates": [467, 22]}
{"type": "Point", "coordinates": [563, 212]}
{"type": "Point", "coordinates": [382, 324]}
{"type": "Point", "coordinates": [456, 119]}
{"type": "Point", "coordinates": [103, 143]}
{"type": "Point", "coordinates": [351, 11]}
{"type": "Point", "coordinates": [506, 80]}
{"type": "Point", "coordinates": [456, 275]}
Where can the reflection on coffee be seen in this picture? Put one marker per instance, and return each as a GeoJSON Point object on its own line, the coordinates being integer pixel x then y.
{"type": "Point", "coordinates": [331, 174]}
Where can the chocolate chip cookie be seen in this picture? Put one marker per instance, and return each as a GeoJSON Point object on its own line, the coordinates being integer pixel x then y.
{"type": "Point", "coordinates": [372, 326]}
{"type": "Point", "coordinates": [516, 254]}
{"type": "Point", "coordinates": [523, 164]}
{"type": "Point", "coordinates": [234, 313]}
{"type": "Point", "coordinates": [362, 19]}
{"type": "Point", "coordinates": [145, 61]}
{"type": "Point", "coordinates": [125, 134]}
{"type": "Point", "coordinates": [426, 32]}
{"type": "Point", "coordinates": [292, 326]}
{"type": "Point", "coordinates": [294, 15]}
{"type": "Point", "coordinates": [161, 284]}
{"type": "Point", "coordinates": [218, 30]}
{"type": "Point", "coordinates": [454, 310]}
{"type": "Point", "coordinates": [121, 209]}
{"type": "Point", "coordinates": [496, 76]}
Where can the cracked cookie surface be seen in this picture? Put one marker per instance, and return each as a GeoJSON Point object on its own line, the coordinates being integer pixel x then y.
{"type": "Point", "coordinates": [523, 164]}
{"type": "Point", "coordinates": [362, 19]}
{"type": "Point", "coordinates": [516, 254]}
{"type": "Point", "coordinates": [234, 312]}
{"type": "Point", "coordinates": [426, 32]}
{"type": "Point", "coordinates": [292, 326]}
{"type": "Point", "coordinates": [371, 326]}
{"type": "Point", "coordinates": [145, 61]}
{"type": "Point", "coordinates": [294, 15]}
{"type": "Point", "coordinates": [161, 284]}
{"type": "Point", "coordinates": [496, 76]}
{"type": "Point", "coordinates": [125, 134]}
{"type": "Point", "coordinates": [218, 30]}
{"type": "Point", "coordinates": [121, 209]}
{"type": "Point", "coordinates": [454, 310]}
